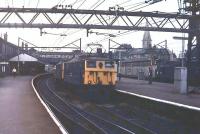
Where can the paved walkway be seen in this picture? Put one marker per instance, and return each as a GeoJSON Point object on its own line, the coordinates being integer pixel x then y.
{"type": "Point", "coordinates": [158, 90]}
{"type": "Point", "coordinates": [20, 110]}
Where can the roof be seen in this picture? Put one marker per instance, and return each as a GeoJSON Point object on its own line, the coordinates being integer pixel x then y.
{"type": "Point", "coordinates": [24, 57]}
{"type": "Point", "coordinates": [8, 43]}
{"type": "Point", "coordinates": [139, 51]}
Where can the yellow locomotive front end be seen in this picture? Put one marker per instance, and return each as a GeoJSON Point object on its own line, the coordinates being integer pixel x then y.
{"type": "Point", "coordinates": [100, 72]}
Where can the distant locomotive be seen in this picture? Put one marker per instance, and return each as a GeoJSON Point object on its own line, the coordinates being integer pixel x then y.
{"type": "Point", "coordinates": [88, 72]}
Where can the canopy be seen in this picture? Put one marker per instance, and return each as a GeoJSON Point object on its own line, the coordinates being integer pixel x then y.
{"type": "Point", "coordinates": [23, 57]}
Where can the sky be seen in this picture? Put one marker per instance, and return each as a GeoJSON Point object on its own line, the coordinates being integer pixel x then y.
{"type": "Point", "coordinates": [134, 37]}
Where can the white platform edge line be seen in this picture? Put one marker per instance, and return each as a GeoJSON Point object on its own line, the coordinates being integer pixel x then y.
{"type": "Point", "coordinates": [57, 122]}
{"type": "Point", "coordinates": [163, 101]}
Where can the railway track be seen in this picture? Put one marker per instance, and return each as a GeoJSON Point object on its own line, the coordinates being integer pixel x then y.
{"type": "Point", "coordinates": [119, 119]}
{"type": "Point", "coordinates": [85, 121]}
{"type": "Point", "coordinates": [81, 123]}
{"type": "Point", "coordinates": [101, 111]}
{"type": "Point", "coordinates": [116, 116]}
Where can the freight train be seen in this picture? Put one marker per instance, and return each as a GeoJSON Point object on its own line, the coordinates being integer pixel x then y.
{"type": "Point", "coordinates": [87, 72]}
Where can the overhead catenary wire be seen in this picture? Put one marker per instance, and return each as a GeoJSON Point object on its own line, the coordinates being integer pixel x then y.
{"type": "Point", "coordinates": [59, 2]}
{"type": "Point", "coordinates": [37, 3]}
{"type": "Point", "coordinates": [94, 6]}
{"type": "Point", "coordinates": [125, 2]}
{"type": "Point", "coordinates": [134, 7]}
{"type": "Point", "coordinates": [98, 4]}
{"type": "Point", "coordinates": [82, 3]}
{"type": "Point", "coordinates": [126, 32]}
{"type": "Point", "coordinates": [139, 5]}
{"type": "Point", "coordinates": [82, 18]}
{"type": "Point", "coordinates": [74, 2]}
{"type": "Point", "coordinates": [61, 39]}
{"type": "Point", "coordinates": [85, 15]}
{"type": "Point", "coordinates": [119, 34]}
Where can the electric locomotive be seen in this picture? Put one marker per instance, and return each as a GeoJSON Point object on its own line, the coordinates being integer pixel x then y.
{"type": "Point", "coordinates": [94, 73]}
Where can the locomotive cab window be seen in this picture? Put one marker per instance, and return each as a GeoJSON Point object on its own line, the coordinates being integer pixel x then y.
{"type": "Point", "coordinates": [109, 64]}
{"type": "Point", "coordinates": [91, 64]}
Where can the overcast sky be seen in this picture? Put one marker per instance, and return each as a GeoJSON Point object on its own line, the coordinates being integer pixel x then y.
{"type": "Point", "coordinates": [134, 38]}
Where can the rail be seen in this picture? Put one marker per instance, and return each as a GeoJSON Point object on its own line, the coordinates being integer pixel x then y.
{"type": "Point", "coordinates": [51, 114]}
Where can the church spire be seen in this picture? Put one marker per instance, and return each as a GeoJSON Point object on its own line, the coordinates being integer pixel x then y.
{"type": "Point", "coordinates": [146, 42]}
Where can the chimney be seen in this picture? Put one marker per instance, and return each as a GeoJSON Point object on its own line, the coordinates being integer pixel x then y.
{"type": "Point", "coordinates": [26, 47]}
{"type": "Point", "coordinates": [99, 50]}
{"type": "Point", "coordinates": [6, 36]}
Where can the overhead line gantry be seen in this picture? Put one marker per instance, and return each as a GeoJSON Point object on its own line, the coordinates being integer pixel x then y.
{"type": "Point", "coordinates": [158, 21]}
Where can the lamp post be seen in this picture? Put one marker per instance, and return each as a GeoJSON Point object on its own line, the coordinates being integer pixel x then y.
{"type": "Point", "coordinates": [18, 55]}
{"type": "Point", "coordinates": [120, 57]}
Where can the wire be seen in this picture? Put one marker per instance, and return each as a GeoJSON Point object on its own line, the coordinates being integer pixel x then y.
{"type": "Point", "coordinates": [117, 35]}
{"type": "Point", "coordinates": [140, 7]}
{"type": "Point", "coordinates": [37, 3]}
{"type": "Point", "coordinates": [75, 2]}
{"type": "Point", "coordinates": [124, 2]}
{"type": "Point", "coordinates": [137, 5]}
{"type": "Point", "coordinates": [99, 4]}
{"type": "Point", "coordinates": [81, 4]}
{"type": "Point", "coordinates": [62, 1]}
{"type": "Point", "coordinates": [127, 32]}
{"type": "Point", "coordinates": [12, 4]}
{"type": "Point", "coordinates": [95, 4]}
{"type": "Point", "coordinates": [60, 39]}
{"type": "Point", "coordinates": [121, 34]}
{"type": "Point", "coordinates": [58, 2]}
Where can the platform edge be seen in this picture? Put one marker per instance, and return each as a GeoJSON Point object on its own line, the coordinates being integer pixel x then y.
{"type": "Point", "coordinates": [160, 100]}
{"type": "Point", "coordinates": [51, 114]}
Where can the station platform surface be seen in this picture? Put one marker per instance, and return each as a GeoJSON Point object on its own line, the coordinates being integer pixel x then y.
{"type": "Point", "coordinates": [161, 91]}
{"type": "Point", "coordinates": [20, 110]}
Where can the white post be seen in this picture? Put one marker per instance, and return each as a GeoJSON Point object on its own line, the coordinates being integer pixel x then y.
{"type": "Point", "coordinates": [180, 79]}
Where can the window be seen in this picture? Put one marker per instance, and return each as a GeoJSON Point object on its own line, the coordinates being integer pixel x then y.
{"type": "Point", "coordinates": [91, 64]}
{"type": "Point", "coordinates": [109, 64]}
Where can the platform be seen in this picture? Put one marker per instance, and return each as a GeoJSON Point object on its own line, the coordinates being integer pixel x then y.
{"type": "Point", "coordinates": [21, 111]}
{"type": "Point", "coordinates": [163, 92]}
